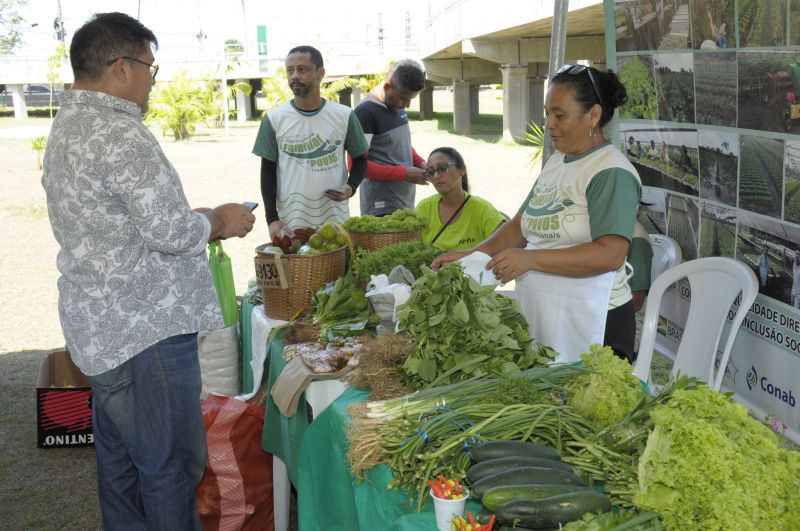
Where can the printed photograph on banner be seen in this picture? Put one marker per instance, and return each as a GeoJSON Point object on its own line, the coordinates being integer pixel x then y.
{"type": "Point", "coordinates": [794, 22]}
{"type": "Point", "coordinates": [713, 24]}
{"type": "Point", "coordinates": [762, 23]}
{"type": "Point", "coordinates": [675, 87]}
{"type": "Point", "coordinates": [761, 175]}
{"type": "Point", "coordinates": [719, 164]}
{"type": "Point", "coordinates": [651, 24]}
{"type": "Point", "coordinates": [665, 157]}
{"type": "Point", "coordinates": [770, 248]}
{"type": "Point", "coordinates": [791, 182]}
{"type": "Point", "coordinates": [683, 223]}
{"type": "Point", "coordinates": [715, 88]}
{"type": "Point", "coordinates": [769, 90]}
{"type": "Point", "coordinates": [636, 74]}
{"type": "Point", "coordinates": [717, 230]}
{"type": "Point", "coordinates": [652, 212]}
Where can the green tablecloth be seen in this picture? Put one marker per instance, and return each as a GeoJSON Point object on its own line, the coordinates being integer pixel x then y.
{"type": "Point", "coordinates": [330, 498]}
{"type": "Point", "coordinates": [282, 435]}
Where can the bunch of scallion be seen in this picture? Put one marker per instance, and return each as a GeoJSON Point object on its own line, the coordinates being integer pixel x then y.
{"type": "Point", "coordinates": [430, 432]}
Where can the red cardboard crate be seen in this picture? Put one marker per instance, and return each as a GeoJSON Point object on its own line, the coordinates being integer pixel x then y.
{"type": "Point", "coordinates": [63, 404]}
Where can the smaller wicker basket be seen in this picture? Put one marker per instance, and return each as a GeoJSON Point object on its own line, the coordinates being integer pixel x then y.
{"type": "Point", "coordinates": [289, 281]}
{"type": "Point", "coordinates": [369, 241]}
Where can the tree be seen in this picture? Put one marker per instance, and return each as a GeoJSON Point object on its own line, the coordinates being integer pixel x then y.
{"type": "Point", "coordinates": [178, 106]}
{"type": "Point", "coordinates": [54, 63]}
{"type": "Point", "coordinates": [10, 19]}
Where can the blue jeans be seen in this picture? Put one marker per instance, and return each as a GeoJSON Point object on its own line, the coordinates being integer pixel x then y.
{"type": "Point", "coordinates": [150, 439]}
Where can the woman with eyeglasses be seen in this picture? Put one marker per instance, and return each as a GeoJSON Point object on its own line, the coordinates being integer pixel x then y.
{"type": "Point", "coordinates": [456, 219]}
{"type": "Point", "coordinates": [565, 248]}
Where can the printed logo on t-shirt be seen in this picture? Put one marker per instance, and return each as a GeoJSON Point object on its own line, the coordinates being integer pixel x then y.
{"type": "Point", "coordinates": [312, 150]}
{"type": "Point", "coordinates": [545, 209]}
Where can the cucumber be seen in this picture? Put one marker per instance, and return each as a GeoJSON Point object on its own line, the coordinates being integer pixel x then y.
{"type": "Point", "coordinates": [553, 511]}
{"type": "Point", "coordinates": [526, 476]}
{"type": "Point", "coordinates": [486, 468]}
{"type": "Point", "coordinates": [494, 449]}
{"type": "Point", "coordinates": [497, 496]}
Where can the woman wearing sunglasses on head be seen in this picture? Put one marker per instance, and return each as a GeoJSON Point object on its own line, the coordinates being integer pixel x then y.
{"type": "Point", "coordinates": [456, 219]}
{"type": "Point", "coordinates": [566, 246]}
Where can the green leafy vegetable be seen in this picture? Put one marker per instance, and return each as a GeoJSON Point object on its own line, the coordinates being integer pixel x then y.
{"type": "Point", "coordinates": [463, 330]}
{"type": "Point", "coordinates": [606, 395]}
{"type": "Point", "coordinates": [398, 221]}
{"type": "Point", "coordinates": [625, 520]}
{"type": "Point", "coordinates": [413, 255]}
{"type": "Point", "coordinates": [341, 309]}
{"type": "Point", "coordinates": [709, 465]}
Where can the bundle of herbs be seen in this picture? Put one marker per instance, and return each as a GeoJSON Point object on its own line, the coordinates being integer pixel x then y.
{"type": "Point", "coordinates": [463, 330]}
{"type": "Point", "coordinates": [341, 309]}
{"type": "Point", "coordinates": [413, 255]}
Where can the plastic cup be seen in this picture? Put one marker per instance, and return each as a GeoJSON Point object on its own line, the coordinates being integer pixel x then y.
{"type": "Point", "coordinates": [445, 509]}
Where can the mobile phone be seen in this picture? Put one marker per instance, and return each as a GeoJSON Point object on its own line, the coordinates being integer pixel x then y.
{"type": "Point", "coordinates": [251, 205]}
{"type": "Point", "coordinates": [332, 190]}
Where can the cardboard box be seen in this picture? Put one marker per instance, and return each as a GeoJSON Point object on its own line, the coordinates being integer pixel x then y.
{"type": "Point", "coordinates": [63, 404]}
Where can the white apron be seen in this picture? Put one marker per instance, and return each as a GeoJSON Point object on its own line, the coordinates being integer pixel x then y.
{"type": "Point", "coordinates": [566, 313]}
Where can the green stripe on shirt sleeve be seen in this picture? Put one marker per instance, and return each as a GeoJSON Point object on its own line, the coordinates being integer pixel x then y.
{"type": "Point", "coordinates": [266, 145]}
{"type": "Point", "coordinates": [613, 196]}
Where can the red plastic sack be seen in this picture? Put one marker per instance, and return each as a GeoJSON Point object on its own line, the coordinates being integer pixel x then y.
{"type": "Point", "coordinates": [236, 491]}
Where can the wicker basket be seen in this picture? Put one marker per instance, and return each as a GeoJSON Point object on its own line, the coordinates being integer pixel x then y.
{"type": "Point", "coordinates": [289, 281]}
{"type": "Point", "coordinates": [369, 241]}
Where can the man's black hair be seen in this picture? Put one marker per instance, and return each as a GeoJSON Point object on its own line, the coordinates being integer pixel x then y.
{"type": "Point", "coordinates": [104, 37]}
{"type": "Point", "coordinates": [408, 74]}
{"type": "Point", "coordinates": [316, 57]}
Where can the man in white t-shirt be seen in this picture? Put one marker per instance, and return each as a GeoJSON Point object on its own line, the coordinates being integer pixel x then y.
{"type": "Point", "coordinates": [302, 144]}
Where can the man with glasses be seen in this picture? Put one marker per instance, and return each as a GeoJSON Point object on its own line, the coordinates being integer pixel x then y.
{"type": "Point", "coordinates": [393, 167]}
{"type": "Point", "coordinates": [135, 286]}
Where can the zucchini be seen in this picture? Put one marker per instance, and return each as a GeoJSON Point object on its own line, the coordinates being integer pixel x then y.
{"type": "Point", "coordinates": [494, 449]}
{"type": "Point", "coordinates": [509, 528]}
{"type": "Point", "coordinates": [486, 468]}
{"type": "Point", "coordinates": [497, 496]}
{"type": "Point", "coordinates": [526, 476]}
{"type": "Point", "coordinates": [553, 511]}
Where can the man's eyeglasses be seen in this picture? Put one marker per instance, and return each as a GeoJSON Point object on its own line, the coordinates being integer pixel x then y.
{"type": "Point", "coordinates": [577, 69]}
{"type": "Point", "coordinates": [153, 67]}
{"type": "Point", "coordinates": [440, 168]}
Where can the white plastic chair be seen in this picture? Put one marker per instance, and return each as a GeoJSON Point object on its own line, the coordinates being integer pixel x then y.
{"type": "Point", "coordinates": [666, 254]}
{"type": "Point", "coordinates": [715, 283]}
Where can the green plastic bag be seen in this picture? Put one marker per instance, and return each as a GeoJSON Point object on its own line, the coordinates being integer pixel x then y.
{"type": "Point", "coordinates": [222, 273]}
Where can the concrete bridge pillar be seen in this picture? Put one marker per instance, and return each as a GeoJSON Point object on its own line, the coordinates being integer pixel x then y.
{"type": "Point", "coordinates": [243, 104]}
{"type": "Point", "coordinates": [536, 100]}
{"type": "Point", "coordinates": [18, 100]}
{"type": "Point", "coordinates": [426, 102]}
{"type": "Point", "coordinates": [461, 106]}
{"type": "Point", "coordinates": [515, 101]}
{"type": "Point", "coordinates": [474, 106]}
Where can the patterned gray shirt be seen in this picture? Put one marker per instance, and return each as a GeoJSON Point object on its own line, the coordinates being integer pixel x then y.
{"type": "Point", "coordinates": [132, 261]}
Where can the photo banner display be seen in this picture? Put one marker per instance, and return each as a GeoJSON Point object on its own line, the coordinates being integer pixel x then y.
{"type": "Point", "coordinates": [712, 125]}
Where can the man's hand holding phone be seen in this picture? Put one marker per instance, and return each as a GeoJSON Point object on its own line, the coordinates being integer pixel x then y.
{"type": "Point", "coordinates": [339, 195]}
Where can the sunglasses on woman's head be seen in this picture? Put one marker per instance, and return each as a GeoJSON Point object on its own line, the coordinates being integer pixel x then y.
{"type": "Point", "coordinates": [577, 69]}
{"type": "Point", "coordinates": [440, 168]}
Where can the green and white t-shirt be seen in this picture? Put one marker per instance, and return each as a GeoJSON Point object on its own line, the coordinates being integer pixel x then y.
{"type": "Point", "coordinates": [478, 220]}
{"type": "Point", "coordinates": [577, 199]}
{"type": "Point", "coordinates": [309, 150]}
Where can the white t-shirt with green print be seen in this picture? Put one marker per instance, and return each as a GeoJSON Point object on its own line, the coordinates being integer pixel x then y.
{"type": "Point", "coordinates": [578, 198]}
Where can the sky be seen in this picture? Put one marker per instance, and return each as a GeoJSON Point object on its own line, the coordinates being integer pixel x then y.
{"type": "Point", "coordinates": [347, 28]}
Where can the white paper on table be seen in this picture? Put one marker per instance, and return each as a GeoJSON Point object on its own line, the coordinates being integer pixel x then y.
{"type": "Point", "coordinates": [260, 328]}
{"type": "Point", "coordinates": [475, 266]}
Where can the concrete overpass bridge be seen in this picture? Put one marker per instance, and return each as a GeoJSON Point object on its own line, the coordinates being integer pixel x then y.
{"type": "Point", "coordinates": [469, 43]}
